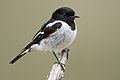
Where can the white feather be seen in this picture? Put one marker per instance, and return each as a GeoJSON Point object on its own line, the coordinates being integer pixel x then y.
{"type": "Point", "coordinates": [51, 24]}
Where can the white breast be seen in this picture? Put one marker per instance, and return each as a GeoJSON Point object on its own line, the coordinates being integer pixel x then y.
{"type": "Point", "coordinates": [61, 38]}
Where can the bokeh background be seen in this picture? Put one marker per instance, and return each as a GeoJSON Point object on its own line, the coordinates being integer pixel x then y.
{"type": "Point", "coordinates": [94, 55]}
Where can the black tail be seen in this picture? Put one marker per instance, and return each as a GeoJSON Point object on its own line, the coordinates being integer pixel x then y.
{"type": "Point", "coordinates": [17, 57]}
{"type": "Point", "coordinates": [23, 52]}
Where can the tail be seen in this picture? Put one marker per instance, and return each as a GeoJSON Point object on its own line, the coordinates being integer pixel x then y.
{"type": "Point", "coordinates": [23, 52]}
{"type": "Point", "coordinates": [17, 57]}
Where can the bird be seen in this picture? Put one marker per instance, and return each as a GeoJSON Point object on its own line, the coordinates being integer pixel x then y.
{"type": "Point", "coordinates": [55, 35]}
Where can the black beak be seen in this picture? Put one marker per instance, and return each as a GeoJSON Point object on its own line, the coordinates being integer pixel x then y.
{"type": "Point", "coordinates": [73, 17]}
{"type": "Point", "coordinates": [76, 16]}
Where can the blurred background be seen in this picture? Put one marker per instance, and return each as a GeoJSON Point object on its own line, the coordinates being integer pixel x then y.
{"type": "Point", "coordinates": [94, 55]}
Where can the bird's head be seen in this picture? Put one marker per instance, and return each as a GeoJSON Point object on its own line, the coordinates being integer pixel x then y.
{"type": "Point", "coordinates": [64, 14]}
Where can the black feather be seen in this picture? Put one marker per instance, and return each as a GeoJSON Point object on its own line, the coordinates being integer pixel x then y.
{"type": "Point", "coordinates": [16, 58]}
{"type": "Point", "coordinates": [22, 53]}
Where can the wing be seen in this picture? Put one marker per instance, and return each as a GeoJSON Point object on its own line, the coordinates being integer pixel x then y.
{"type": "Point", "coordinates": [43, 27]}
{"type": "Point", "coordinates": [45, 32]}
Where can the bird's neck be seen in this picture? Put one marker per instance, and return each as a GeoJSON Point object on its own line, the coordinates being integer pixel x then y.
{"type": "Point", "coordinates": [71, 24]}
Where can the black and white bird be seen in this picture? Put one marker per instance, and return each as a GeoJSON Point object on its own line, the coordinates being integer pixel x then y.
{"type": "Point", "coordinates": [55, 35]}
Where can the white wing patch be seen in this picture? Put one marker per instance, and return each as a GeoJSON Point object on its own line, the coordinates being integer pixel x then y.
{"type": "Point", "coordinates": [41, 32]}
{"type": "Point", "coordinates": [51, 24]}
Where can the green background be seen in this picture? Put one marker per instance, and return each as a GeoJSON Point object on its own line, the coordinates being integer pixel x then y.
{"type": "Point", "coordinates": [94, 55]}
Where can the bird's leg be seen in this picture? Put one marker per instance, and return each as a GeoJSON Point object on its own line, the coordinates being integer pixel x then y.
{"type": "Point", "coordinates": [59, 61]}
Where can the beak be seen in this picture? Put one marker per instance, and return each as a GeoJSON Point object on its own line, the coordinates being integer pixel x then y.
{"type": "Point", "coordinates": [73, 17]}
{"type": "Point", "coordinates": [76, 17]}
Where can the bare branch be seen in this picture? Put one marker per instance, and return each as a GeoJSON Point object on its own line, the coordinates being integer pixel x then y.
{"type": "Point", "coordinates": [56, 72]}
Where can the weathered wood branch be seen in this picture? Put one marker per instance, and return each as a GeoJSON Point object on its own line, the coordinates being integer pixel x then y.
{"type": "Point", "coordinates": [56, 72]}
